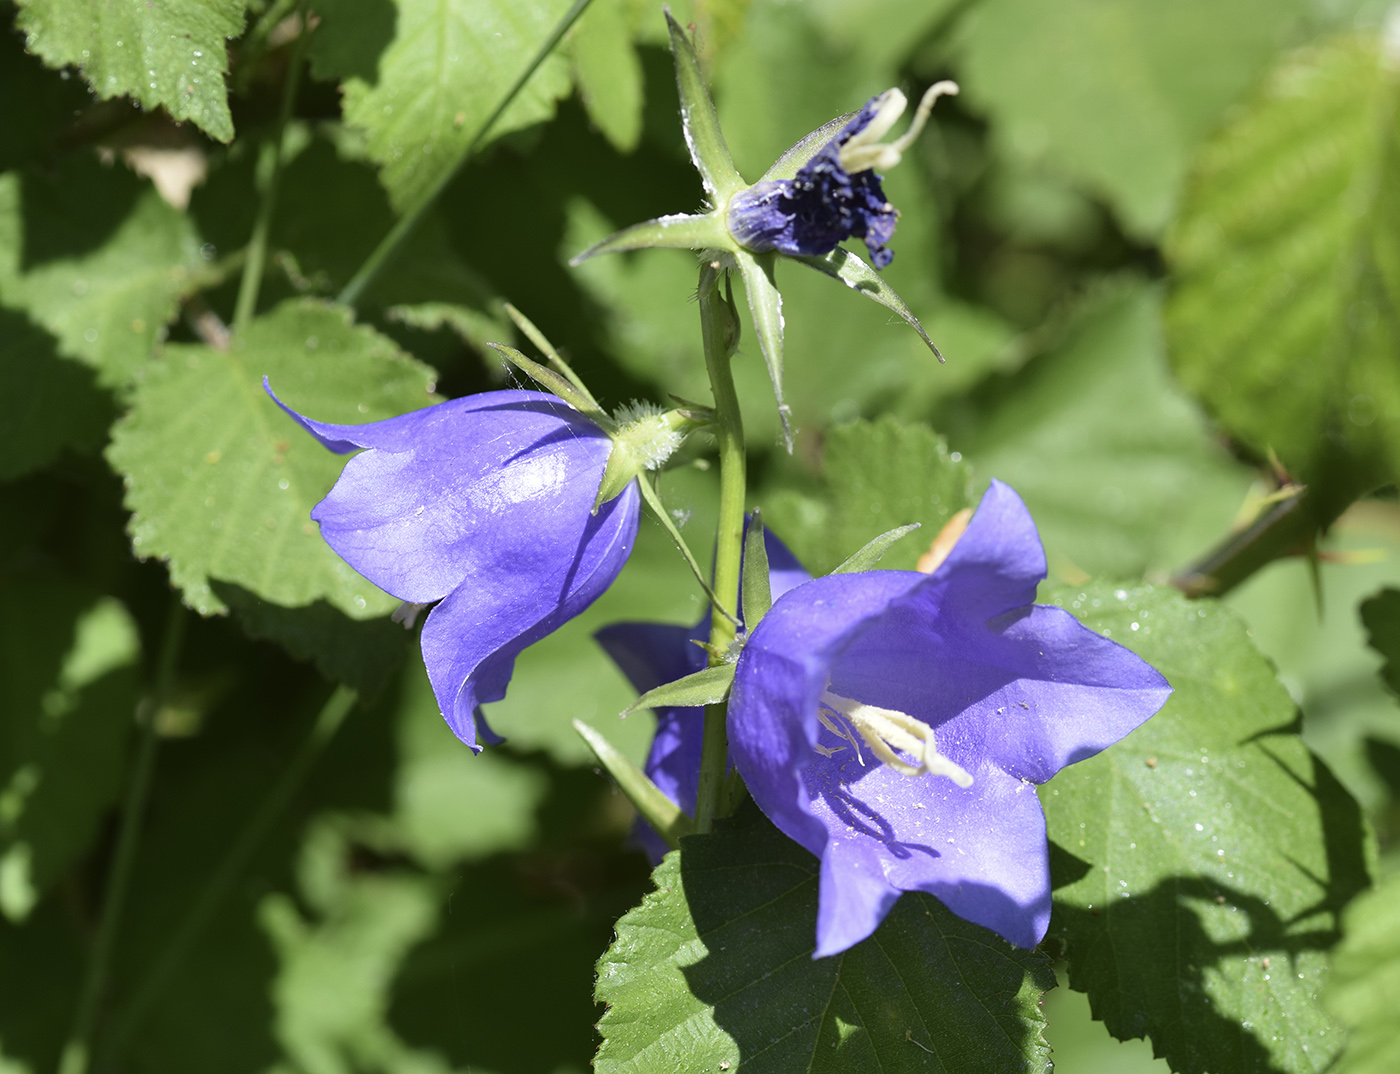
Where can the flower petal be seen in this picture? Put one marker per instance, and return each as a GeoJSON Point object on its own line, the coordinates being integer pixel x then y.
{"type": "Point", "coordinates": [514, 592]}
{"type": "Point", "coordinates": [460, 488]}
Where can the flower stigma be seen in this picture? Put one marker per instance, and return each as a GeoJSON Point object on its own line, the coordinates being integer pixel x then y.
{"type": "Point", "coordinates": [864, 150]}
{"type": "Point", "coordinates": [884, 731]}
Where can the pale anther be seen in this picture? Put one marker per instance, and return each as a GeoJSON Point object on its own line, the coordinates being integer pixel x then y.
{"type": "Point", "coordinates": [865, 150]}
{"type": "Point", "coordinates": [886, 730]}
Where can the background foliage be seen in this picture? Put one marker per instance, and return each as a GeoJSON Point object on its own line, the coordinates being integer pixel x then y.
{"type": "Point", "coordinates": [1160, 246]}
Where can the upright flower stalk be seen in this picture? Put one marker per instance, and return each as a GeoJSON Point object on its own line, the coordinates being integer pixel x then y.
{"type": "Point", "coordinates": [719, 331]}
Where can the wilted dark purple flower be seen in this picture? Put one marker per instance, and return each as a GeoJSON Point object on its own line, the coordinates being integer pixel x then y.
{"type": "Point", "coordinates": [482, 504]}
{"type": "Point", "coordinates": [837, 194]}
{"type": "Point", "coordinates": [895, 724]}
{"type": "Point", "coordinates": [652, 654]}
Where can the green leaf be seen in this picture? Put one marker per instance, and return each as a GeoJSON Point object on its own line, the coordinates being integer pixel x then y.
{"type": "Point", "coordinates": [421, 79]}
{"type": "Point", "coordinates": [1201, 864]}
{"type": "Point", "coordinates": [62, 408]}
{"type": "Point", "coordinates": [360, 653]}
{"type": "Point", "coordinates": [609, 72]}
{"type": "Point", "coordinates": [68, 687]}
{"type": "Point", "coordinates": [1366, 980]}
{"type": "Point", "coordinates": [874, 473]}
{"type": "Point", "coordinates": [221, 483]}
{"type": "Point", "coordinates": [1283, 314]}
{"type": "Point", "coordinates": [1381, 617]}
{"type": "Point", "coordinates": [165, 53]}
{"type": "Point", "coordinates": [1118, 468]}
{"type": "Point", "coordinates": [703, 136]}
{"type": "Point", "coordinates": [96, 257]}
{"type": "Point", "coordinates": [1117, 94]}
{"type": "Point", "coordinates": [708, 686]}
{"type": "Point", "coordinates": [874, 551]}
{"type": "Point", "coordinates": [714, 970]}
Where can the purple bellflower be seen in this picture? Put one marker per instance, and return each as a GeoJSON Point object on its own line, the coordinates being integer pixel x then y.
{"type": "Point", "coordinates": [896, 723]}
{"type": "Point", "coordinates": [484, 506]}
{"type": "Point", "coordinates": [837, 194]}
{"type": "Point", "coordinates": [652, 654]}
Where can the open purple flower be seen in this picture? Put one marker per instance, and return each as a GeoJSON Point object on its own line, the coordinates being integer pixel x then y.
{"type": "Point", "coordinates": [895, 724]}
{"type": "Point", "coordinates": [483, 505]}
{"type": "Point", "coordinates": [652, 654]}
{"type": "Point", "coordinates": [837, 194]}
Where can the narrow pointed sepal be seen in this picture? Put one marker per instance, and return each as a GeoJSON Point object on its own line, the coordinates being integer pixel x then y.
{"type": "Point", "coordinates": [708, 686]}
{"type": "Point", "coordinates": [845, 266]}
{"type": "Point", "coordinates": [804, 149]}
{"type": "Point", "coordinates": [766, 306]}
{"type": "Point", "coordinates": [655, 808]}
{"type": "Point", "coordinates": [682, 231]}
{"type": "Point", "coordinates": [873, 551]}
{"type": "Point", "coordinates": [755, 585]}
{"type": "Point", "coordinates": [557, 384]}
{"type": "Point", "coordinates": [702, 134]}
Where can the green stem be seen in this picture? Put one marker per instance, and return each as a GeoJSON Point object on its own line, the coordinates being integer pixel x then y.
{"type": "Point", "coordinates": [234, 863]}
{"type": "Point", "coordinates": [718, 329]}
{"type": "Point", "coordinates": [269, 178]}
{"type": "Point", "coordinates": [390, 245]}
{"type": "Point", "coordinates": [78, 1049]}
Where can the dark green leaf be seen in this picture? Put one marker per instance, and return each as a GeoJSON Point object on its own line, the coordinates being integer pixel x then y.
{"type": "Point", "coordinates": [68, 688]}
{"type": "Point", "coordinates": [221, 483]}
{"type": "Point", "coordinates": [714, 971]}
{"type": "Point", "coordinates": [165, 53]}
{"type": "Point", "coordinates": [1381, 617]}
{"type": "Point", "coordinates": [420, 78]}
{"type": "Point", "coordinates": [608, 72]}
{"type": "Point", "coordinates": [1118, 468]}
{"type": "Point", "coordinates": [359, 653]}
{"type": "Point", "coordinates": [96, 257]}
{"type": "Point", "coordinates": [1283, 315]}
{"type": "Point", "coordinates": [62, 408]}
{"type": "Point", "coordinates": [1117, 94]}
{"type": "Point", "coordinates": [709, 686]}
{"type": "Point", "coordinates": [1204, 861]}
{"type": "Point", "coordinates": [1366, 980]}
{"type": "Point", "coordinates": [874, 473]}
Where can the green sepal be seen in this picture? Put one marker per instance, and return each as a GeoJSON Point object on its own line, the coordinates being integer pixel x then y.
{"type": "Point", "coordinates": [756, 586]}
{"type": "Point", "coordinates": [874, 551]}
{"type": "Point", "coordinates": [702, 134]}
{"type": "Point", "coordinates": [653, 501]}
{"type": "Point", "coordinates": [708, 686]}
{"type": "Point", "coordinates": [681, 231]}
{"type": "Point", "coordinates": [665, 817]}
{"type": "Point", "coordinates": [790, 163]}
{"type": "Point", "coordinates": [640, 445]}
{"type": "Point", "coordinates": [766, 307]}
{"type": "Point", "coordinates": [845, 266]}
{"type": "Point", "coordinates": [559, 385]}
{"type": "Point", "coordinates": [556, 363]}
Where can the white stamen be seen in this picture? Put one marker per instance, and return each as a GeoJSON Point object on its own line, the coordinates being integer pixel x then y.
{"type": "Point", "coordinates": [865, 150]}
{"type": "Point", "coordinates": [839, 732]}
{"type": "Point", "coordinates": [887, 730]}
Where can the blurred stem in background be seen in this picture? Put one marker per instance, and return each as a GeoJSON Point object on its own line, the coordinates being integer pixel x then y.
{"type": "Point", "coordinates": [269, 176]}
{"type": "Point", "coordinates": [240, 854]}
{"type": "Point", "coordinates": [78, 1049]}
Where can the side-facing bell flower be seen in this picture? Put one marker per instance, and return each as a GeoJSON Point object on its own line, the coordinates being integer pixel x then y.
{"type": "Point", "coordinates": [485, 507]}
{"type": "Point", "coordinates": [896, 723]}
{"type": "Point", "coordinates": [823, 190]}
{"type": "Point", "coordinates": [652, 654]}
